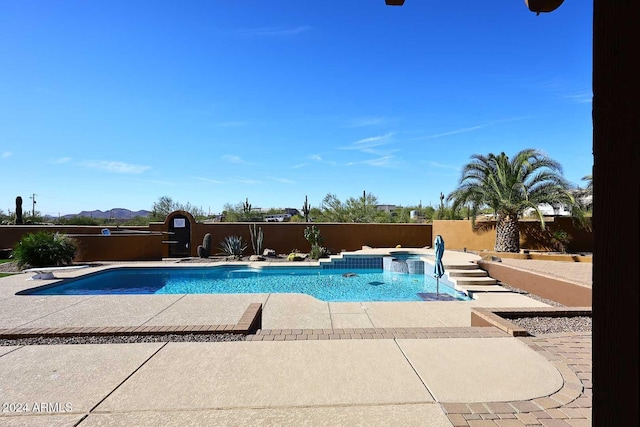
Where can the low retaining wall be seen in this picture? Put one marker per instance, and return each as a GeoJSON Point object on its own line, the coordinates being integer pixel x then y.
{"type": "Point", "coordinates": [537, 256]}
{"type": "Point", "coordinates": [569, 294]}
{"type": "Point", "coordinates": [118, 247]}
{"type": "Point", "coordinates": [499, 317]}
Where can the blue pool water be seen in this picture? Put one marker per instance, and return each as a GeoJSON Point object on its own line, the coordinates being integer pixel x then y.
{"type": "Point", "coordinates": [324, 284]}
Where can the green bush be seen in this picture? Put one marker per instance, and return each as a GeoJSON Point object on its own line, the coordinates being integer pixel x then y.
{"type": "Point", "coordinates": [44, 249]}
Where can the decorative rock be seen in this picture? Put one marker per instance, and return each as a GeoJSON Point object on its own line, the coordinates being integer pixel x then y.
{"type": "Point", "coordinates": [269, 252]}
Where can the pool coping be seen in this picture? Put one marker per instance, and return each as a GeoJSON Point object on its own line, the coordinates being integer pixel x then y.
{"type": "Point", "coordinates": [54, 282]}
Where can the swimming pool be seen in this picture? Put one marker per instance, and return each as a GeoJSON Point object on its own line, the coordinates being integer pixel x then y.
{"type": "Point", "coordinates": [324, 284]}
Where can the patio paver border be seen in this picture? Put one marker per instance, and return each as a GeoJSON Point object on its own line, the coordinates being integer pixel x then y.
{"type": "Point", "coordinates": [571, 406]}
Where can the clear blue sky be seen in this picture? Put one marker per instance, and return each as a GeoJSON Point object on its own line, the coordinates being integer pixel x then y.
{"type": "Point", "coordinates": [113, 104]}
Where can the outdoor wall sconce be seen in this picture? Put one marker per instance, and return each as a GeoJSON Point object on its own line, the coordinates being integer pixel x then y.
{"type": "Point", "coordinates": [538, 6]}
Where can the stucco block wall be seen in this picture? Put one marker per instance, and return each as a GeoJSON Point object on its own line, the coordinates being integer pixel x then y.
{"type": "Point", "coordinates": [284, 237]}
{"type": "Point", "coordinates": [118, 247]}
{"type": "Point", "coordinates": [461, 234]}
{"type": "Point", "coordinates": [11, 234]}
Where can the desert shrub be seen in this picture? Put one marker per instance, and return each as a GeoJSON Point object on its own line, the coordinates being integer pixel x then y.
{"type": "Point", "coordinates": [78, 220]}
{"type": "Point", "coordinates": [232, 246]}
{"type": "Point", "coordinates": [312, 235]}
{"type": "Point", "coordinates": [44, 249]}
{"type": "Point", "coordinates": [318, 252]}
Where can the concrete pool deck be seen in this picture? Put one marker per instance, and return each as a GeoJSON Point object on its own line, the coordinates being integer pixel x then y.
{"type": "Point", "coordinates": [428, 366]}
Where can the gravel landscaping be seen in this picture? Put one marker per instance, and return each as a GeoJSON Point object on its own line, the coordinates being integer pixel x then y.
{"type": "Point", "coordinates": [547, 324]}
{"type": "Point", "coordinates": [9, 267]}
{"type": "Point", "coordinates": [552, 325]}
{"type": "Point", "coordinates": [123, 339]}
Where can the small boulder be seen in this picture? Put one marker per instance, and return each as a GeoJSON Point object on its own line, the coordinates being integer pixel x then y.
{"type": "Point", "coordinates": [269, 253]}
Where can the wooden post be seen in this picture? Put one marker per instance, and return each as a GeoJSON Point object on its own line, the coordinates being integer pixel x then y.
{"type": "Point", "coordinates": [616, 142]}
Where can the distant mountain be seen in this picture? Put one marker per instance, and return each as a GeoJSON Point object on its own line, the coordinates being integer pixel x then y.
{"type": "Point", "coordinates": [116, 213]}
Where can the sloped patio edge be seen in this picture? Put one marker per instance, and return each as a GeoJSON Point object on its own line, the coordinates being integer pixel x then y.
{"type": "Point", "coordinates": [250, 322]}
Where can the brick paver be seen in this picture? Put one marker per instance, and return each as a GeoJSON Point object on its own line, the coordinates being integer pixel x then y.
{"type": "Point", "coordinates": [569, 407]}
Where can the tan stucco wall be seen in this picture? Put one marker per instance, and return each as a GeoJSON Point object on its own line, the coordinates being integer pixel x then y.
{"type": "Point", "coordinates": [118, 247]}
{"type": "Point", "coordinates": [92, 245]}
{"type": "Point", "coordinates": [284, 237]}
{"type": "Point", "coordinates": [11, 234]}
{"type": "Point", "coordinates": [460, 234]}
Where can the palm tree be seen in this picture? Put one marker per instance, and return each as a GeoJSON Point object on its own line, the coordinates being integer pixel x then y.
{"type": "Point", "coordinates": [589, 180]}
{"type": "Point", "coordinates": [511, 187]}
{"type": "Point", "coordinates": [585, 197]}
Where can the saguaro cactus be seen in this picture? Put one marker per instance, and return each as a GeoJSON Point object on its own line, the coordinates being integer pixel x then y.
{"type": "Point", "coordinates": [246, 206]}
{"type": "Point", "coordinates": [204, 250]}
{"type": "Point", "coordinates": [256, 239]}
{"type": "Point", "coordinates": [306, 209]}
{"type": "Point", "coordinates": [18, 210]}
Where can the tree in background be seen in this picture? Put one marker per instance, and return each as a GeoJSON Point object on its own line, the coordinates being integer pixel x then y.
{"type": "Point", "coordinates": [165, 205]}
{"type": "Point", "coordinates": [333, 210]}
{"type": "Point", "coordinates": [6, 218]}
{"type": "Point", "coordinates": [363, 209]}
{"type": "Point", "coordinates": [243, 212]}
{"type": "Point", "coordinates": [510, 187]}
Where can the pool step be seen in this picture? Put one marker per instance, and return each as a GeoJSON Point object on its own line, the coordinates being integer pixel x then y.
{"type": "Point", "coordinates": [465, 266]}
{"type": "Point", "coordinates": [467, 281]}
{"type": "Point", "coordinates": [466, 273]}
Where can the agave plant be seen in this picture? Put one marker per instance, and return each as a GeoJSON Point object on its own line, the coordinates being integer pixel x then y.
{"type": "Point", "coordinates": [233, 246]}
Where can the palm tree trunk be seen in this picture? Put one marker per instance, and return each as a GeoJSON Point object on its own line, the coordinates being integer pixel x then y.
{"type": "Point", "coordinates": [507, 234]}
